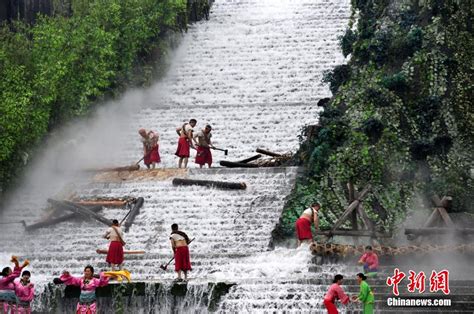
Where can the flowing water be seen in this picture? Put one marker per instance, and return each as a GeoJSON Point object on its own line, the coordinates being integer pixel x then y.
{"type": "Point", "coordinates": [253, 71]}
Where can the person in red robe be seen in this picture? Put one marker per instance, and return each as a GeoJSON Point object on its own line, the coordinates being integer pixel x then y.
{"type": "Point", "coordinates": [303, 224]}
{"type": "Point", "coordinates": [335, 292]}
{"type": "Point", "coordinates": [204, 146]}
{"type": "Point", "coordinates": [115, 253]}
{"type": "Point", "coordinates": [185, 142]}
{"type": "Point", "coordinates": [179, 244]}
{"type": "Point", "coordinates": [151, 155]}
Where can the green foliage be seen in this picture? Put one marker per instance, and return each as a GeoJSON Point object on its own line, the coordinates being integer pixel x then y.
{"type": "Point", "coordinates": [347, 41]}
{"type": "Point", "coordinates": [401, 117]}
{"type": "Point", "coordinates": [58, 68]}
{"type": "Point", "coordinates": [337, 77]}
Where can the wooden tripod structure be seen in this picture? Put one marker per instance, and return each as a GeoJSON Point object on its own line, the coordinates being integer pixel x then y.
{"type": "Point", "coordinates": [439, 222]}
{"type": "Point", "coordinates": [354, 211]}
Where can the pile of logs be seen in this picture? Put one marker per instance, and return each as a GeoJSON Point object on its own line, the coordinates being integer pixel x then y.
{"type": "Point", "coordinates": [85, 210]}
{"type": "Point", "coordinates": [256, 161]}
{"type": "Point", "coordinates": [331, 249]}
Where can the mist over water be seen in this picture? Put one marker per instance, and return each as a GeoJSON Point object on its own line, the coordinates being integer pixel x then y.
{"type": "Point", "coordinates": [253, 72]}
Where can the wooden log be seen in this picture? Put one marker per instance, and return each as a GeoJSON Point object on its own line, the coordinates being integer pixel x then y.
{"type": "Point", "coordinates": [352, 197]}
{"type": "Point", "coordinates": [53, 221]}
{"type": "Point", "coordinates": [444, 214]}
{"type": "Point", "coordinates": [79, 210]}
{"type": "Point", "coordinates": [353, 233]}
{"type": "Point", "coordinates": [430, 231]}
{"type": "Point", "coordinates": [134, 167]}
{"type": "Point", "coordinates": [244, 161]}
{"type": "Point", "coordinates": [215, 184]}
{"type": "Point", "coordinates": [232, 164]}
{"type": "Point", "coordinates": [268, 153]}
{"type": "Point", "coordinates": [365, 219]}
{"type": "Point", "coordinates": [432, 218]}
{"type": "Point", "coordinates": [105, 251]}
{"type": "Point", "coordinates": [133, 213]}
{"type": "Point", "coordinates": [102, 203]}
{"type": "Point", "coordinates": [351, 207]}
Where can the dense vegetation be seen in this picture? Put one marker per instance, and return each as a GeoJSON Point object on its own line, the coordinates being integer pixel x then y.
{"type": "Point", "coordinates": [401, 115]}
{"type": "Point", "coordinates": [61, 66]}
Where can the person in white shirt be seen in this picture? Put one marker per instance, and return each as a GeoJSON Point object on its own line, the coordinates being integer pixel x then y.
{"type": "Point", "coordinates": [185, 142]}
{"type": "Point", "coordinates": [115, 254]}
{"type": "Point", "coordinates": [179, 244]}
{"type": "Point", "coordinates": [303, 224]}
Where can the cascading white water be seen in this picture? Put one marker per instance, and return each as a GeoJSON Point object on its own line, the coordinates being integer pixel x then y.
{"type": "Point", "coordinates": [254, 72]}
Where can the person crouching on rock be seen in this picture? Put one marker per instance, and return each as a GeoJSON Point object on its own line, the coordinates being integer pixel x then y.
{"type": "Point", "coordinates": [370, 260]}
{"type": "Point", "coordinates": [303, 224]}
{"type": "Point", "coordinates": [25, 292]}
{"type": "Point", "coordinates": [88, 284]}
{"type": "Point", "coordinates": [179, 244]}
{"type": "Point", "coordinates": [7, 286]}
{"type": "Point", "coordinates": [115, 253]}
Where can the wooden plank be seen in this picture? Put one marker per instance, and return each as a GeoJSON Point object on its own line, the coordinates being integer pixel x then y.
{"type": "Point", "coordinates": [267, 152]}
{"type": "Point", "coordinates": [351, 233]}
{"type": "Point", "coordinates": [352, 197]}
{"type": "Point", "coordinates": [436, 200]}
{"type": "Point", "coordinates": [444, 214]}
{"type": "Point", "coordinates": [79, 210]}
{"type": "Point", "coordinates": [432, 218]}
{"type": "Point", "coordinates": [53, 221]}
{"type": "Point", "coordinates": [351, 207]}
{"type": "Point", "coordinates": [432, 230]}
{"type": "Point", "coordinates": [365, 219]}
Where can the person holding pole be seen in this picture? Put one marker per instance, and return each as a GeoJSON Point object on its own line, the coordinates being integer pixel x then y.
{"type": "Point", "coordinates": [151, 155]}
{"type": "Point", "coordinates": [185, 142]}
{"type": "Point", "coordinates": [204, 146]}
{"type": "Point", "coordinates": [179, 244]}
{"type": "Point", "coordinates": [115, 253]}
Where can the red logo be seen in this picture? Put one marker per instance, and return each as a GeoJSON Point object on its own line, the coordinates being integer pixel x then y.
{"type": "Point", "coordinates": [395, 280]}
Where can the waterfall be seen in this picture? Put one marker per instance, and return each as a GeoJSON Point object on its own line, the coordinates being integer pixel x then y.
{"type": "Point", "coordinates": [253, 71]}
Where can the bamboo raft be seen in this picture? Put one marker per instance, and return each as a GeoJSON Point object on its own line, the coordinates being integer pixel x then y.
{"type": "Point", "coordinates": [332, 249]}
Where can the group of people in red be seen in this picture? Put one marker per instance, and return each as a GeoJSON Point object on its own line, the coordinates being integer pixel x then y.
{"type": "Point", "coordinates": [369, 260]}
{"type": "Point", "coordinates": [187, 139]}
{"type": "Point", "coordinates": [16, 295]}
